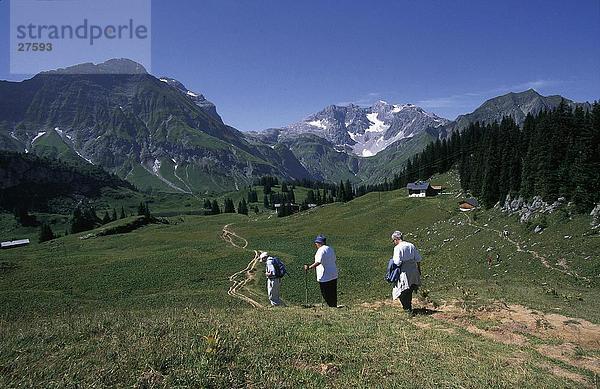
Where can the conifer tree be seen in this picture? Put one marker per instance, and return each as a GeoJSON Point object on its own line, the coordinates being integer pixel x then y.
{"type": "Point", "coordinates": [215, 210]}
{"type": "Point", "coordinates": [348, 191]}
{"type": "Point", "coordinates": [310, 197]}
{"type": "Point", "coordinates": [141, 209]}
{"type": "Point", "coordinates": [243, 207]}
{"type": "Point", "coordinates": [341, 192]}
{"type": "Point", "coordinates": [228, 206]}
{"type": "Point", "coordinates": [45, 233]}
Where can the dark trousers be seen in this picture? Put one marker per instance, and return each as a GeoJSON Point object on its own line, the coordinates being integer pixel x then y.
{"type": "Point", "coordinates": [406, 298]}
{"type": "Point", "coordinates": [329, 292]}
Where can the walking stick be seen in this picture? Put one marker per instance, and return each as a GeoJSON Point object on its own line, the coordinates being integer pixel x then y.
{"type": "Point", "coordinates": [305, 288]}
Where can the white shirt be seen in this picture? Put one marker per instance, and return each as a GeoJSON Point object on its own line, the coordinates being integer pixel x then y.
{"type": "Point", "coordinates": [406, 256]}
{"type": "Point", "coordinates": [406, 252]}
{"type": "Point", "coordinates": [270, 268]}
{"type": "Point", "coordinates": [327, 269]}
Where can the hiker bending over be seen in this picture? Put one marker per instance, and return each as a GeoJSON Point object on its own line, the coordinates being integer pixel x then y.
{"type": "Point", "coordinates": [408, 259]}
{"type": "Point", "coordinates": [273, 272]}
{"type": "Point", "coordinates": [326, 270]}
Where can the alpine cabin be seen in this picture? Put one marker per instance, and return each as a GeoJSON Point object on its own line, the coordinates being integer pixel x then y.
{"type": "Point", "coordinates": [421, 189]}
{"type": "Point", "coordinates": [468, 204]}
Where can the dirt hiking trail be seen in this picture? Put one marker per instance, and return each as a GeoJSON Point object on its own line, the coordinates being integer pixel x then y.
{"type": "Point", "coordinates": [241, 278]}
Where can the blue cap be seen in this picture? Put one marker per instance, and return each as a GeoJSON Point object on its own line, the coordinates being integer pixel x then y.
{"type": "Point", "coordinates": [320, 239]}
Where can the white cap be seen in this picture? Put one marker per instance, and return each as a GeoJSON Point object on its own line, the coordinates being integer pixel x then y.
{"type": "Point", "coordinates": [397, 235]}
{"type": "Point", "coordinates": [263, 256]}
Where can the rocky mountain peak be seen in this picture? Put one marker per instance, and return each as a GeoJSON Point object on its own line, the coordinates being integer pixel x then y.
{"type": "Point", "coordinates": [112, 66]}
{"type": "Point", "coordinates": [198, 98]}
{"type": "Point", "coordinates": [365, 131]}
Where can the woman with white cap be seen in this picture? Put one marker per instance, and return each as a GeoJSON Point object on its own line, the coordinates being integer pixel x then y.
{"type": "Point", "coordinates": [273, 282]}
{"type": "Point", "coordinates": [408, 259]}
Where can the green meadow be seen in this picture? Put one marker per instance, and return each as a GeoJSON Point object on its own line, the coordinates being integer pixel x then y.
{"type": "Point", "coordinates": [150, 308]}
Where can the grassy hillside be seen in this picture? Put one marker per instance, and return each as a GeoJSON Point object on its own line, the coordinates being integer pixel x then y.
{"type": "Point", "coordinates": [152, 306]}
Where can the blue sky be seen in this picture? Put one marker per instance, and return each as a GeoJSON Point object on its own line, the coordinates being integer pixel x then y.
{"type": "Point", "coordinates": [269, 63]}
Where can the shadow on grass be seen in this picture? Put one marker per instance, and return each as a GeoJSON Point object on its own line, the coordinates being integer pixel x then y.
{"type": "Point", "coordinates": [423, 311]}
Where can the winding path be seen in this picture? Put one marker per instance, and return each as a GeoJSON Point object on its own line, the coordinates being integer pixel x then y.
{"type": "Point", "coordinates": [244, 276]}
{"type": "Point", "coordinates": [520, 248]}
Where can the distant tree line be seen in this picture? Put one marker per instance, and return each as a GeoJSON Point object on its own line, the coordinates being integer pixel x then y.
{"type": "Point", "coordinates": [212, 207]}
{"type": "Point", "coordinates": [85, 218]}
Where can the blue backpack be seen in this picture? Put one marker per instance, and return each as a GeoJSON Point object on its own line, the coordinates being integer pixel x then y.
{"type": "Point", "coordinates": [279, 267]}
{"type": "Point", "coordinates": [392, 274]}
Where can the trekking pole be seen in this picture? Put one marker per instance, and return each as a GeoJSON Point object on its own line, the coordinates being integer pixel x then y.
{"type": "Point", "coordinates": [305, 287]}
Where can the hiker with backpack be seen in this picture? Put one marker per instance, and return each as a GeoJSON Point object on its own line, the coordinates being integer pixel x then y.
{"type": "Point", "coordinates": [404, 270]}
{"type": "Point", "coordinates": [274, 271]}
{"type": "Point", "coordinates": [326, 270]}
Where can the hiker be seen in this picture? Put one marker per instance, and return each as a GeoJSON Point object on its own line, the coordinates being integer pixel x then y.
{"type": "Point", "coordinates": [326, 270]}
{"type": "Point", "coordinates": [408, 259]}
{"type": "Point", "coordinates": [273, 278]}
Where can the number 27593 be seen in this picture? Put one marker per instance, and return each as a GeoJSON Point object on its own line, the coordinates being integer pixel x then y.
{"type": "Point", "coordinates": [34, 46]}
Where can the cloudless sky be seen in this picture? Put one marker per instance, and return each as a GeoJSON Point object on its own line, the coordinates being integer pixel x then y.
{"type": "Point", "coordinates": [267, 63]}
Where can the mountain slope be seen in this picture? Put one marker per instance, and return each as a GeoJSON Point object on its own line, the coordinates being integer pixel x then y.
{"type": "Point", "coordinates": [323, 159]}
{"type": "Point", "coordinates": [516, 105]}
{"type": "Point", "coordinates": [133, 122]}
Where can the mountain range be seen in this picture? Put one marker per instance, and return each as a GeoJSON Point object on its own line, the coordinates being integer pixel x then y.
{"type": "Point", "coordinates": [156, 134]}
{"type": "Point", "coordinates": [361, 131]}
{"type": "Point", "coordinates": [159, 135]}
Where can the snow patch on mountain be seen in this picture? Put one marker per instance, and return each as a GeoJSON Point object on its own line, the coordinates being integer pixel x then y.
{"type": "Point", "coordinates": [81, 155]}
{"type": "Point", "coordinates": [378, 125]}
{"type": "Point", "coordinates": [156, 167]}
{"type": "Point", "coordinates": [39, 134]}
{"type": "Point", "coordinates": [318, 123]}
{"type": "Point", "coordinates": [155, 171]}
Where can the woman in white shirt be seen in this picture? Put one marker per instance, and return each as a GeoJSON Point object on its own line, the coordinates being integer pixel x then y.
{"type": "Point", "coordinates": [408, 259]}
{"type": "Point", "coordinates": [326, 270]}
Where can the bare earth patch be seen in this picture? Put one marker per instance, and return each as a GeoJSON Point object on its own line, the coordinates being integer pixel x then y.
{"type": "Point", "coordinates": [512, 324]}
{"type": "Point", "coordinates": [568, 340]}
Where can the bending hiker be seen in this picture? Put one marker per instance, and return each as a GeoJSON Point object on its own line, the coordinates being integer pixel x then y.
{"type": "Point", "coordinates": [408, 259]}
{"type": "Point", "coordinates": [326, 270]}
{"type": "Point", "coordinates": [274, 270]}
